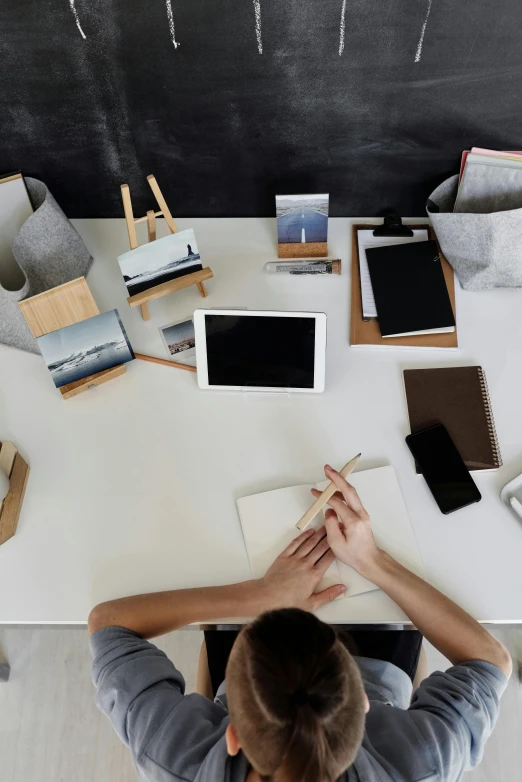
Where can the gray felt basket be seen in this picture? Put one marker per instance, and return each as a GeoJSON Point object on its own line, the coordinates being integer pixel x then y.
{"type": "Point", "coordinates": [49, 251]}
{"type": "Point", "coordinates": [485, 250]}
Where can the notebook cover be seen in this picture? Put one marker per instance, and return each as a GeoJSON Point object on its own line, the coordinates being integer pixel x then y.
{"type": "Point", "coordinates": [367, 333]}
{"type": "Point", "coordinates": [458, 398]}
{"type": "Point", "coordinates": [409, 288]}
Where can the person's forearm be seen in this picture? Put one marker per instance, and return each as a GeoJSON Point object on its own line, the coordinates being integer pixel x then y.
{"type": "Point", "coordinates": [161, 612]}
{"type": "Point", "coordinates": [450, 629]}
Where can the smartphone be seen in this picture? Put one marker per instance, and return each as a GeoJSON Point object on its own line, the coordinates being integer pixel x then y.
{"type": "Point", "coordinates": [443, 468]}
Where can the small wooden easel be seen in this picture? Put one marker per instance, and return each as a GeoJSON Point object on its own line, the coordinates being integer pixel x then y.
{"type": "Point", "coordinates": [59, 307]}
{"type": "Point", "coordinates": [196, 278]}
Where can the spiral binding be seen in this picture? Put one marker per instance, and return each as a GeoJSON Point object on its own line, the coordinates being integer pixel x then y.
{"type": "Point", "coordinates": [497, 458]}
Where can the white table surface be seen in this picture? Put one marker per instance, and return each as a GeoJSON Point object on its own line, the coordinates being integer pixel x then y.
{"type": "Point", "coordinates": [133, 484]}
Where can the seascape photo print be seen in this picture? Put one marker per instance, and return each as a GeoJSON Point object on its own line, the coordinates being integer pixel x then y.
{"type": "Point", "coordinates": [85, 348]}
{"type": "Point", "coordinates": [180, 341]}
{"type": "Point", "coordinates": [160, 261]}
{"type": "Point", "coordinates": [302, 225]}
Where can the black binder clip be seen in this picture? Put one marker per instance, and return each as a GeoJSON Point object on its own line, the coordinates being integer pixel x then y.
{"type": "Point", "coordinates": [392, 226]}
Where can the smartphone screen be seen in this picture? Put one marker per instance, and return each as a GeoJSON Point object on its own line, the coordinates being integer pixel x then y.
{"type": "Point", "coordinates": [442, 466]}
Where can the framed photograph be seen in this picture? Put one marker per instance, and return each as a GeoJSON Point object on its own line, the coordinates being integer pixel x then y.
{"type": "Point", "coordinates": [160, 261]}
{"type": "Point", "coordinates": [302, 225]}
{"type": "Point", "coordinates": [85, 348]}
{"type": "Point", "coordinates": [180, 341]}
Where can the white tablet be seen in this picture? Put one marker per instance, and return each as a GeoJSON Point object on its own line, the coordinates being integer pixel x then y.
{"type": "Point", "coordinates": [243, 350]}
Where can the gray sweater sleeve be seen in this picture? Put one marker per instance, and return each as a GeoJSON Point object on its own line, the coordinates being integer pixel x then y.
{"type": "Point", "coordinates": [443, 732]}
{"type": "Point", "coordinates": [455, 712]}
{"type": "Point", "coordinates": [142, 693]}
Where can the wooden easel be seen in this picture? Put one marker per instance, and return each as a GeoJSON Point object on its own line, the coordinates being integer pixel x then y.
{"type": "Point", "coordinates": [196, 278]}
{"type": "Point", "coordinates": [62, 306]}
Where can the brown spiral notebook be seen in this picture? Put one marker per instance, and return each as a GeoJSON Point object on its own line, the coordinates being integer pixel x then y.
{"type": "Point", "coordinates": [458, 398]}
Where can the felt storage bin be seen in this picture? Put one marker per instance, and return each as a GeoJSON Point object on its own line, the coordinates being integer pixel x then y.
{"type": "Point", "coordinates": [49, 251]}
{"type": "Point", "coordinates": [485, 250]}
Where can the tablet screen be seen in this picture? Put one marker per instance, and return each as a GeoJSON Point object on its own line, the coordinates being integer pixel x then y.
{"type": "Point", "coordinates": [261, 351]}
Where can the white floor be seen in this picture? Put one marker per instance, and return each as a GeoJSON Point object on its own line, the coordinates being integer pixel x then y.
{"type": "Point", "coordinates": [51, 731]}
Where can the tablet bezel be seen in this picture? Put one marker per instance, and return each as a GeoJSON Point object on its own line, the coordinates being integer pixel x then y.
{"type": "Point", "coordinates": [319, 349]}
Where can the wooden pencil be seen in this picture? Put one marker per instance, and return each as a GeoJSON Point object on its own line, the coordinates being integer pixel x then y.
{"type": "Point", "coordinates": [167, 363]}
{"type": "Point", "coordinates": [323, 498]}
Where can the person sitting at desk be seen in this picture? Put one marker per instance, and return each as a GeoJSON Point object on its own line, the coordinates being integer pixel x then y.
{"type": "Point", "coordinates": [295, 705]}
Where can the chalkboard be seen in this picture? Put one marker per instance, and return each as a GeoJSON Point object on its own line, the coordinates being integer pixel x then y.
{"type": "Point", "coordinates": [229, 102]}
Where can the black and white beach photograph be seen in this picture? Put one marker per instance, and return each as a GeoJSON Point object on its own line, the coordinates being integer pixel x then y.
{"type": "Point", "coordinates": [180, 340]}
{"type": "Point", "coordinates": [85, 348]}
{"type": "Point", "coordinates": [160, 261]}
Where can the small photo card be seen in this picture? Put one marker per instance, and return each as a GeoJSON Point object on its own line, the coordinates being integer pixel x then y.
{"type": "Point", "coordinates": [180, 341]}
{"type": "Point", "coordinates": [302, 225]}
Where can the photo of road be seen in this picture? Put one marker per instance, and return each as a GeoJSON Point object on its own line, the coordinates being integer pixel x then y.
{"type": "Point", "coordinates": [302, 225]}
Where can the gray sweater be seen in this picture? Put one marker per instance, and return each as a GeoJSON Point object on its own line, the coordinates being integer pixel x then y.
{"type": "Point", "coordinates": [173, 736]}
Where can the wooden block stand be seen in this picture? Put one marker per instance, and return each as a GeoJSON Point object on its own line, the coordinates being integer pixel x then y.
{"type": "Point", "coordinates": [17, 471]}
{"type": "Point", "coordinates": [62, 306]}
{"type": "Point", "coordinates": [196, 278]}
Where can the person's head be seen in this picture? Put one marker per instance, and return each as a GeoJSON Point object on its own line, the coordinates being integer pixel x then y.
{"type": "Point", "coordinates": [296, 699]}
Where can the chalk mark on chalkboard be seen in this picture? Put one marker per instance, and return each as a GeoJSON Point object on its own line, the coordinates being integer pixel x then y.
{"type": "Point", "coordinates": [421, 39]}
{"type": "Point", "coordinates": [472, 47]}
{"type": "Point", "coordinates": [341, 31]}
{"type": "Point", "coordinates": [77, 19]}
{"type": "Point", "coordinates": [170, 16]}
{"type": "Point", "coordinates": [257, 12]}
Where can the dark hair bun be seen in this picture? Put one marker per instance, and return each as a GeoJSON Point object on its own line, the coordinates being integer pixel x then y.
{"type": "Point", "coordinates": [295, 697]}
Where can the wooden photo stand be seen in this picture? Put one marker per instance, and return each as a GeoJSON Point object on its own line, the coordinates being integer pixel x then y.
{"type": "Point", "coordinates": [196, 278]}
{"type": "Point", "coordinates": [59, 307]}
{"type": "Point", "coordinates": [17, 470]}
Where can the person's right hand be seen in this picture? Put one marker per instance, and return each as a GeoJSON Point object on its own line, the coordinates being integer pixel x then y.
{"type": "Point", "coordinates": [348, 526]}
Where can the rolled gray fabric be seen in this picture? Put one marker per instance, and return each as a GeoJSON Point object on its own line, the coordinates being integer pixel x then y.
{"type": "Point", "coordinates": [49, 251]}
{"type": "Point", "coordinates": [485, 250]}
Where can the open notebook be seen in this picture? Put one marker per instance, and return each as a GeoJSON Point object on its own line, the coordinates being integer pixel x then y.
{"type": "Point", "coordinates": [268, 521]}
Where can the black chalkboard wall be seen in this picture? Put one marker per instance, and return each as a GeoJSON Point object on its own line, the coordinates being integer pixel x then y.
{"type": "Point", "coordinates": [95, 93]}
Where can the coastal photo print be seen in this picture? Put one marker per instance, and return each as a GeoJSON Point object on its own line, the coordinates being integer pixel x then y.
{"type": "Point", "coordinates": [180, 341]}
{"type": "Point", "coordinates": [85, 348]}
{"type": "Point", "coordinates": [160, 261]}
{"type": "Point", "coordinates": [302, 226]}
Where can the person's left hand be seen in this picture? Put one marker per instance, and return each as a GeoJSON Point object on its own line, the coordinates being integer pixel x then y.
{"type": "Point", "coordinates": [291, 581]}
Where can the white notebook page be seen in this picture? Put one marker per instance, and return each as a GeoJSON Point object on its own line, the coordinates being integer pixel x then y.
{"type": "Point", "coordinates": [268, 522]}
{"type": "Point", "coordinates": [366, 239]}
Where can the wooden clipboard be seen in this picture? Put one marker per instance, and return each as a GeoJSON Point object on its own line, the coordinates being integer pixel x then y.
{"type": "Point", "coordinates": [367, 332]}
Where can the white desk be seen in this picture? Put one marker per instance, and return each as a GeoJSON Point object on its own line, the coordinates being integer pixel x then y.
{"type": "Point", "coordinates": [133, 484]}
